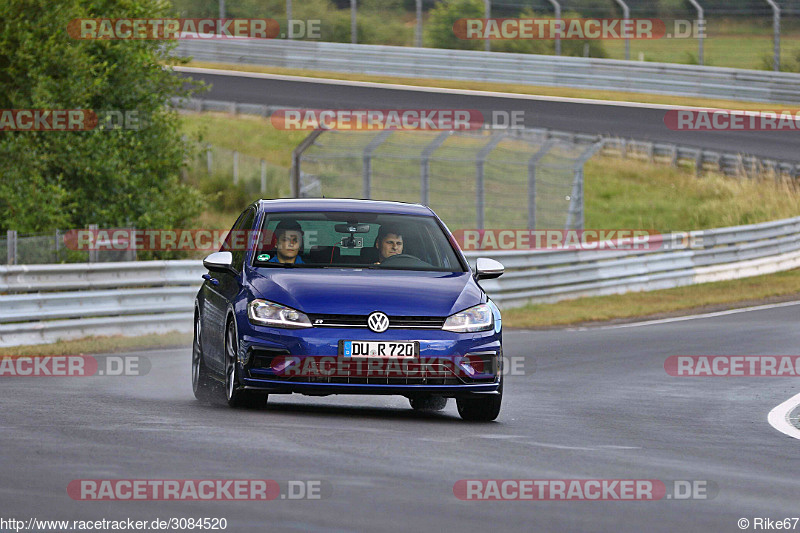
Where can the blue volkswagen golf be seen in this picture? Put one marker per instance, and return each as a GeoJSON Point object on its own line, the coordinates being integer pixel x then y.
{"type": "Point", "coordinates": [330, 296]}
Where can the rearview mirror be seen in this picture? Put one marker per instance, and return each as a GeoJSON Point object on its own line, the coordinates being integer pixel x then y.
{"type": "Point", "coordinates": [219, 262]}
{"type": "Point", "coordinates": [486, 268]}
{"type": "Point", "coordinates": [352, 228]}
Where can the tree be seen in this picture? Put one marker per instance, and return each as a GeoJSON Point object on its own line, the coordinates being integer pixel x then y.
{"type": "Point", "coordinates": [439, 27]}
{"type": "Point", "coordinates": [111, 177]}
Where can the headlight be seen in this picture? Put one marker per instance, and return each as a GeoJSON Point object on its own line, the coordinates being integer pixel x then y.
{"type": "Point", "coordinates": [267, 313]}
{"type": "Point", "coordinates": [478, 318]}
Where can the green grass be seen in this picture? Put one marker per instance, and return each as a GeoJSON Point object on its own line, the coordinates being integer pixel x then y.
{"type": "Point", "coordinates": [622, 193]}
{"type": "Point", "coordinates": [728, 43]}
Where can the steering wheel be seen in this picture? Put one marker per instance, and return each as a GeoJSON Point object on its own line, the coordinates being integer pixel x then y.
{"type": "Point", "coordinates": [404, 260]}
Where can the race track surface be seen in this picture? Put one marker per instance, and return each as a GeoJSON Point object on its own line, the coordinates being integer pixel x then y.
{"type": "Point", "coordinates": [593, 403]}
{"type": "Point", "coordinates": [636, 121]}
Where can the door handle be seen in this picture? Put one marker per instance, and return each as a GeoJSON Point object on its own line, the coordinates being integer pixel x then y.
{"type": "Point", "coordinates": [208, 277]}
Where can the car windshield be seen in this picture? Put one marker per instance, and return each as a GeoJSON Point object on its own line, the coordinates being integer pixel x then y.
{"type": "Point", "coordinates": [354, 240]}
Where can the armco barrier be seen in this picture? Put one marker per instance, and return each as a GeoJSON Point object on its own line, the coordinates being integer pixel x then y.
{"type": "Point", "coordinates": [44, 303]}
{"type": "Point", "coordinates": [529, 69]}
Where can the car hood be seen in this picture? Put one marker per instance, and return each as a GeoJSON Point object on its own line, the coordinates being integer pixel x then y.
{"type": "Point", "coordinates": [360, 292]}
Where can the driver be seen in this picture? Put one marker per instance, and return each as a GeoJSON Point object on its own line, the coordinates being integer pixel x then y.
{"type": "Point", "coordinates": [288, 242]}
{"type": "Point", "coordinates": [389, 242]}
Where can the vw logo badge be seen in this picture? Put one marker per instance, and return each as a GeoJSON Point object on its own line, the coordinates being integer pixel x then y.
{"type": "Point", "coordinates": [378, 322]}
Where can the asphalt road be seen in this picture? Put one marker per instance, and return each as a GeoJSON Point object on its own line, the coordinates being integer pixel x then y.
{"type": "Point", "coordinates": [636, 121]}
{"type": "Point", "coordinates": [593, 403]}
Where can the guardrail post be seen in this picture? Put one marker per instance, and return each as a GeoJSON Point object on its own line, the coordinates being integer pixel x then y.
{"type": "Point", "coordinates": [288, 19]}
{"type": "Point", "coordinates": [626, 14]}
{"type": "Point", "coordinates": [532, 162]}
{"type": "Point", "coordinates": [575, 218]}
{"type": "Point", "coordinates": [424, 166]}
{"type": "Point", "coordinates": [235, 167]}
{"type": "Point", "coordinates": [487, 13]}
{"type": "Point", "coordinates": [11, 246]}
{"type": "Point", "coordinates": [93, 250]}
{"type": "Point", "coordinates": [132, 250]}
{"type": "Point", "coordinates": [776, 35]}
{"type": "Point", "coordinates": [701, 29]}
{"type": "Point", "coordinates": [418, 31]}
{"type": "Point", "coordinates": [297, 154]}
{"type": "Point", "coordinates": [698, 163]}
{"type": "Point", "coordinates": [353, 23]}
{"type": "Point", "coordinates": [366, 190]}
{"type": "Point", "coordinates": [209, 158]}
{"type": "Point", "coordinates": [575, 210]}
{"type": "Point", "coordinates": [263, 177]}
{"type": "Point", "coordinates": [480, 162]}
{"type": "Point", "coordinates": [557, 7]}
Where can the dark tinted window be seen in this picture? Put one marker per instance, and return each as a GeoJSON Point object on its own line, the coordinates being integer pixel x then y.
{"type": "Point", "coordinates": [348, 240]}
{"type": "Point", "coordinates": [237, 240]}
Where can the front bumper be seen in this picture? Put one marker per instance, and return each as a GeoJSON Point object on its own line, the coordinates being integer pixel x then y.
{"type": "Point", "coordinates": [450, 364]}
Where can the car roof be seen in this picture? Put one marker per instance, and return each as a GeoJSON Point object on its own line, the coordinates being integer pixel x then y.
{"type": "Point", "coordinates": [343, 204]}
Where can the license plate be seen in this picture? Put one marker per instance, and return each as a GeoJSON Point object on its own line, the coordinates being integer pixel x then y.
{"type": "Point", "coordinates": [380, 349]}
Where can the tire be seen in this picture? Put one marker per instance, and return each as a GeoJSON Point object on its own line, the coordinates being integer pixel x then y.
{"type": "Point", "coordinates": [201, 381]}
{"type": "Point", "coordinates": [428, 403]}
{"type": "Point", "coordinates": [235, 395]}
{"type": "Point", "coordinates": [481, 409]}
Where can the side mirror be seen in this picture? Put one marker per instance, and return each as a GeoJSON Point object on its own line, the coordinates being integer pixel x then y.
{"type": "Point", "coordinates": [486, 268]}
{"type": "Point", "coordinates": [219, 262]}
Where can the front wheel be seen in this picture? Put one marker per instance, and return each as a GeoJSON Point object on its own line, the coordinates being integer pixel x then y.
{"type": "Point", "coordinates": [201, 381]}
{"type": "Point", "coordinates": [235, 394]}
{"type": "Point", "coordinates": [481, 409]}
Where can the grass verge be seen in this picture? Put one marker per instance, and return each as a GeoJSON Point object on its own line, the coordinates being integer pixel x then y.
{"type": "Point", "coordinates": [98, 345]}
{"type": "Point", "coordinates": [706, 297]}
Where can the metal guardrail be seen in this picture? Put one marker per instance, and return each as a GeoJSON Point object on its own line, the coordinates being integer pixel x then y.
{"type": "Point", "coordinates": [528, 69]}
{"type": "Point", "coordinates": [720, 254]}
{"type": "Point", "coordinates": [44, 303]}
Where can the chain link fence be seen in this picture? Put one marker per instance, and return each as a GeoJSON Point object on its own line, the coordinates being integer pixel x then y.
{"type": "Point", "coordinates": [487, 179]}
{"type": "Point", "coordinates": [225, 169]}
{"type": "Point", "coordinates": [44, 248]}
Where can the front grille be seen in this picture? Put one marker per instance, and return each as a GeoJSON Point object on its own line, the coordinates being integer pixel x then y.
{"type": "Point", "coordinates": [360, 321]}
{"type": "Point", "coordinates": [353, 373]}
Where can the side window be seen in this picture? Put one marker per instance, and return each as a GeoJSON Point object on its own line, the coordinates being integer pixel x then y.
{"type": "Point", "coordinates": [237, 240]}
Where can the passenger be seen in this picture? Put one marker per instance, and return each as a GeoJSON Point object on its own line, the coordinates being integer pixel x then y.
{"type": "Point", "coordinates": [288, 242]}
